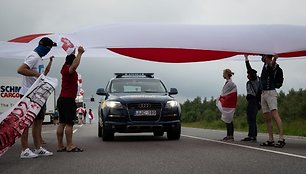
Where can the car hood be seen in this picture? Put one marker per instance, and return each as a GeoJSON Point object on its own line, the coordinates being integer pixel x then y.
{"type": "Point", "coordinates": [136, 98]}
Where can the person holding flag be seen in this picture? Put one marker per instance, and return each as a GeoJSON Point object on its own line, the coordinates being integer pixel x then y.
{"type": "Point", "coordinates": [269, 100]}
{"type": "Point", "coordinates": [31, 69]}
{"type": "Point", "coordinates": [81, 112]}
{"type": "Point", "coordinates": [227, 102]}
{"type": "Point", "coordinates": [90, 116]}
{"type": "Point", "coordinates": [253, 90]}
{"type": "Point", "coordinates": [66, 102]}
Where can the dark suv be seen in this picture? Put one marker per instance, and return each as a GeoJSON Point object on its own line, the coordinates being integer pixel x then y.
{"type": "Point", "coordinates": [138, 102]}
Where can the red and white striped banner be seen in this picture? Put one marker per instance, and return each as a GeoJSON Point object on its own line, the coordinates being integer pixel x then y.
{"type": "Point", "coordinates": [91, 115]}
{"type": "Point", "coordinates": [176, 43]}
{"type": "Point", "coordinates": [80, 110]}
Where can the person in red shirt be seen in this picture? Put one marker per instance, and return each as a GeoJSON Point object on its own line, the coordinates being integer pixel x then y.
{"type": "Point", "coordinates": [66, 102]}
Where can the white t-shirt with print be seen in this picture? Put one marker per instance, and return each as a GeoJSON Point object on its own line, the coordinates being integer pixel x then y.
{"type": "Point", "coordinates": [34, 61]}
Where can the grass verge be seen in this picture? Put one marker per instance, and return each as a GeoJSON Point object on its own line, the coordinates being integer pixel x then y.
{"type": "Point", "coordinates": [294, 128]}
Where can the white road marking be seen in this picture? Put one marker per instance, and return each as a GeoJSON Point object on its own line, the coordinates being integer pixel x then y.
{"type": "Point", "coordinates": [74, 131]}
{"type": "Point", "coordinates": [296, 138]}
{"type": "Point", "coordinates": [249, 147]}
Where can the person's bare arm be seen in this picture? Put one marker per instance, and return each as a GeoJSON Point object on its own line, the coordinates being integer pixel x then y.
{"type": "Point", "coordinates": [47, 70]}
{"type": "Point", "coordinates": [25, 70]}
{"type": "Point", "coordinates": [247, 62]}
{"type": "Point", "coordinates": [77, 60]}
{"type": "Point", "coordinates": [273, 63]}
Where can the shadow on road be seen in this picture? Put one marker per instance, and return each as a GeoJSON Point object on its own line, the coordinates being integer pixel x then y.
{"type": "Point", "coordinates": [139, 138]}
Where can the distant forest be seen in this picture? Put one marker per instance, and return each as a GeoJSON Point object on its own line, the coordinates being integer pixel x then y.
{"type": "Point", "coordinates": [292, 108]}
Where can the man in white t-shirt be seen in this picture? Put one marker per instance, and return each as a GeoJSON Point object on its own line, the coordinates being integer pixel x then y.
{"type": "Point", "coordinates": [31, 69]}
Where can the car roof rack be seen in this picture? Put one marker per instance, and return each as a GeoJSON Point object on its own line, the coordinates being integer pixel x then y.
{"type": "Point", "coordinates": [121, 75]}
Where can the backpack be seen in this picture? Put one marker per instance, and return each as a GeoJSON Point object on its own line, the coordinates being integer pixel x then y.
{"type": "Point", "coordinates": [278, 76]}
{"type": "Point", "coordinates": [258, 93]}
{"type": "Point", "coordinates": [258, 96]}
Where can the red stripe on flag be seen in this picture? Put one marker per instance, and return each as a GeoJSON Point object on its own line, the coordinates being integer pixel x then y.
{"type": "Point", "coordinates": [293, 54]}
{"type": "Point", "coordinates": [173, 55]}
{"type": "Point", "coordinates": [27, 38]}
{"type": "Point", "coordinates": [229, 101]}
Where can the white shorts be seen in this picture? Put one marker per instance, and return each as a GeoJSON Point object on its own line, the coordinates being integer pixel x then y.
{"type": "Point", "coordinates": [268, 101]}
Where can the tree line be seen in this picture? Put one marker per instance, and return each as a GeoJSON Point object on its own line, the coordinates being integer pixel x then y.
{"type": "Point", "coordinates": [292, 107]}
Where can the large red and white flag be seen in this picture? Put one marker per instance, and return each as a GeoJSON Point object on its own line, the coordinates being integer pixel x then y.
{"type": "Point", "coordinates": [80, 110]}
{"type": "Point", "coordinates": [227, 101]}
{"type": "Point", "coordinates": [176, 43]}
{"type": "Point", "coordinates": [14, 121]}
{"type": "Point", "coordinates": [91, 115]}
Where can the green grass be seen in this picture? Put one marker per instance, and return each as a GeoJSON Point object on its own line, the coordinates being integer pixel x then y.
{"type": "Point", "coordinates": [295, 128]}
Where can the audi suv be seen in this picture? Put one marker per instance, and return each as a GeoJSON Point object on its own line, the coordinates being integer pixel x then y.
{"type": "Point", "coordinates": [138, 102]}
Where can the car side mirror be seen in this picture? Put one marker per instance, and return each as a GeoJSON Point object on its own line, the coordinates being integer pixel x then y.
{"type": "Point", "coordinates": [101, 91]}
{"type": "Point", "coordinates": [173, 91]}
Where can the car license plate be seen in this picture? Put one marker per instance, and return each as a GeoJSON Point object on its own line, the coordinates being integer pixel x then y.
{"type": "Point", "coordinates": [145, 113]}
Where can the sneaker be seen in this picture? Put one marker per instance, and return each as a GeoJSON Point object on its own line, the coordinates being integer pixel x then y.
{"type": "Point", "coordinates": [249, 139]}
{"type": "Point", "coordinates": [28, 154]}
{"type": "Point", "coordinates": [42, 152]}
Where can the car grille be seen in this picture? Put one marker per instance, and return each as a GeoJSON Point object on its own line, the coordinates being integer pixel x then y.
{"type": "Point", "coordinates": [147, 108]}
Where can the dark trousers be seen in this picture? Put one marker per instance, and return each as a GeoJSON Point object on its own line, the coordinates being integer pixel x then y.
{"type": "Point", "coordinates": [252, 110]}
{"type": "Point", "coordinates": [230, 129]}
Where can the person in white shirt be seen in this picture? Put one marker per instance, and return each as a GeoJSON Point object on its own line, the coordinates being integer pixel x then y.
{"type": "Point", "coordinates": [31, 69]}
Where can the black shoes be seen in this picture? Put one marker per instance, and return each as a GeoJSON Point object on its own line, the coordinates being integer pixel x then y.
{"type": "Point", "coordinates": [280, 144]}
{"type": "Point", "coordinates": [228, 138]}
{"type": "Point", "coordinates": [251, 139]}
{"type": "Point", "coordinates": [268, 144]}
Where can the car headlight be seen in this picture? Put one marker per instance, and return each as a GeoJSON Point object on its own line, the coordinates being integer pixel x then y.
{"type": "Point", "coordinates": [114, 104]}
{"type": "Point", "coordinates": [171, 104]}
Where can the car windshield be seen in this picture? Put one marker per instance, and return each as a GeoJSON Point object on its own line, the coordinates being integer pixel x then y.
{"type": "Point", "coordinates": [137, 86]}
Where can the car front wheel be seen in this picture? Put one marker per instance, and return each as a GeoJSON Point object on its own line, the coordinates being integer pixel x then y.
{"type": "Point", "coordinates": [174, 133]}
{"type": "Point", "coordinates": [99, 130]}
{"type": "Point", "coordinates": [107, 133]}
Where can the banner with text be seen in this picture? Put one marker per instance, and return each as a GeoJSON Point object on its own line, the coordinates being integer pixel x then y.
{"type": "Point", "coordinates": [9, 92]}
{"type": "Point", "coordinates": [14, 121]}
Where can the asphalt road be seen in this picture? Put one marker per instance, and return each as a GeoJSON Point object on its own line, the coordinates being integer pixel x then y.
{"type": "Point", "coordinates": [198, 151]}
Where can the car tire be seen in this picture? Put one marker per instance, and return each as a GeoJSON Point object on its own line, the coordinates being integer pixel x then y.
{"type": "Point", "coordinates": [174, 133]}
{"type": "Point", "coordinates": [107, 134]}
{"type": "Point", "coordinates": [99, 130]}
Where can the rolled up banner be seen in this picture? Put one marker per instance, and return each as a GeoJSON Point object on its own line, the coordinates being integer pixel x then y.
{"type": "Point", "coordinates": [14, 121]}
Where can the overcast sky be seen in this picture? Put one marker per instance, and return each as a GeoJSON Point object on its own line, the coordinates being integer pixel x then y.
{"type": "Point", "coordinates": [202, 79]}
